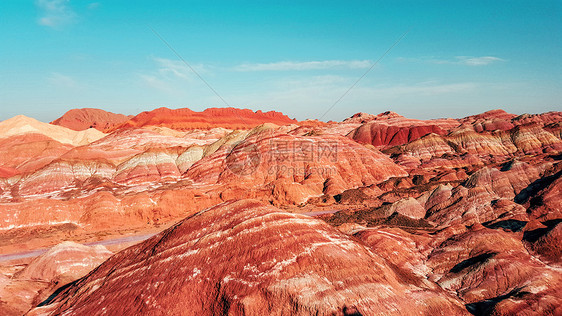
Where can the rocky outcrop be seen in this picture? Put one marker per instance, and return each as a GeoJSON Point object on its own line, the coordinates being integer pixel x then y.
{"type": "Point", "coordinates": [49, 168]}
{"type": "Point", "coordinates": [493, 273]}
{"type": "Point", "coordinates": [394, 119]}
{"type": "Point", "coordinates": [249, 258]}
{"type": "Point", "coordinates": [28, 152]}
{"type": "Point", "coordinates": [64, 263]}
{"type": "Point", "coordinates": [382, 135]}
{"type": "Point", "coordinates": [82, 119]}
{"type": "Point", "coordinates": [186, 119]}
{"type": "Point", "coordinates": [41, 277]}
{"type": "Point", "coordinates": [21, 125]}
{"type": "Point", "coordinates": [475, 201]}
{"type": "Point", "coordinates": [465, 147]}
{"type": "Point", "coordinates": [305, 166]}
{"type": "Point", "coordinates": [150, 166]}
{"type": "Point", "coordinates": [545, 197]}
{"type": "Point", "coordinates": [63, 176]}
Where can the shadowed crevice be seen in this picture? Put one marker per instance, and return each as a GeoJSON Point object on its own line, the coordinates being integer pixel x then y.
{"type": "Point", "coordinates": [57, 292]}
{"type": "Point", "coordinates": [486, 307]}
{"type": "Point", "coordinates": [529, 193]}
{"type": "Point", "coordinates": [536, 234]}
{"type": "Point", "coordinates": [477, 260]}
{"type": "Point", "coordinates": [509, 224]}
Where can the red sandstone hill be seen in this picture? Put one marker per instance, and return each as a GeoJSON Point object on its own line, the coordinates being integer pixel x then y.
{"type": "Point", "coordinates": [60, 265]}
{"type": "Point", "coordinates": [492, 114]}
{"type": "Point", "coordinates": [249, 258]}
{"type": "Point", "coordinates": [186, 119]}
{"type": "Point", "coordinates": [395, 119]}
{"type": "Point", "coordinates": [389, 129]}
{"type": "Point", "coordinates": [381, 135]}
{"type": "Point", "coordinates": [22, 125]}
{"type": "Point", "coordinates": [81, 119]}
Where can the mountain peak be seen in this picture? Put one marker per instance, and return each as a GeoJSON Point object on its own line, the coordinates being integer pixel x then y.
{"type": "Point", "coordinates": [81, 119]}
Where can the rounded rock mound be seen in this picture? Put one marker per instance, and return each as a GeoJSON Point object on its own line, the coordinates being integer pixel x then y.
{"type": "Point", "coordinates": [81, 119]}
{"type": "Point", "coordinates": [249, 258]}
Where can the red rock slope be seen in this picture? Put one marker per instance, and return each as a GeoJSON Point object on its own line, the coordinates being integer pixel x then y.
{"type": "Point", "coordinates": [81, 119]}
{"type": "Point", "coordinates": [33, 283]}
{"type": "Point", "coordinates": [381, 135]}
{"type": "Point", "coordinates": [248, 258]}
{"type": "Point", "coordinates": [184, 119]}
{"type": "Point", "coordinates": [27, 144]}
{"type": "Point", "coordinates": [291, 169]}
{"type": "Point", "coordinates": [21, 125]}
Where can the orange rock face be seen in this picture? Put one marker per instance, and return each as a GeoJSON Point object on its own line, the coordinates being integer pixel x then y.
{"type": "Point", "coordinates": [29, 152]}
{"type": "Point", "coordinates": [81, 119]}
{"type": "Point", "coordinates": [382, 135]}
{"type": "Point", "coordinates": [22, 125]}
{"type": "Point", "coordinates": [183, 119]}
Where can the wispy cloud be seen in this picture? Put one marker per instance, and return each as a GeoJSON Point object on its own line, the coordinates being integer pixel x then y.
{"type": "Point", "coordinates": [424, 89]}
{"type": "Point", "coordinates": [177, 68]}
{"type": "Point", "coordinates": [54, 13]}
{"type": "Point", "coordinates": [173, 67]}
{"type": "Point", "coordinates": [336, 85]}
{"type": "Point", "coordinates": [478, 61]}
{"type": "Point", "coordinates": [171, 76]}
{"type": "Point", "coordinates": [60, 80]}
{"type": "Point", "coordinates": [93, 5]}
{"type": "Point", "coordinates": [307, 65]}
{"type": "Point", "coordinates": [468, 60]}
{"type": "Point", "coordinates": [156, 83]}
{"type": "Point", "coordinates": [458, 60]}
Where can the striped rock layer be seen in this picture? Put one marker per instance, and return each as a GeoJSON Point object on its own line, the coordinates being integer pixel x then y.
{"type": "Point", "coordinates": [244, 258]}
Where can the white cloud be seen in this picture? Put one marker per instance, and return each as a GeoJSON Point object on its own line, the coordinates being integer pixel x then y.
{"type": "Point", "coordinates": [172, 77]}
{"type": "Point", "coordinates": [307, 65]}
{"type": "Point", "coordinates": [337, 85]}
{"type": "Point", "coordinates": [60, 80]}
{"type": "Point", "coordinates": [174, 67]}
{"type": "Point", "coordinates": [55, 13]}
{"type": "Point", "coordinates": [458, 60]}
{"type": "Point", "coordinates": [156, 83]}
{"type": "Point", "coordinates": [468, 60]}
{"type": "Point", "coordinates": [177, 68]}
{"type": "Point", "coordinates": [93, 5]}
{"type": "Point", "coordinates": [478, 61]}
{"type": "Point", "coordinates": [423, 89]}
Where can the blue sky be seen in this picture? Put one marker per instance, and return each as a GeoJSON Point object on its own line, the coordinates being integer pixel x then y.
{"type": "Point", "coordinates": [298, 57]}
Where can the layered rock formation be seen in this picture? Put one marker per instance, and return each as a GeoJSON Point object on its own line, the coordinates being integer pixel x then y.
{"type": "Point", "coordinates": [37, 280]}
{"type": "Point", "coordinates": [21, 125]}
{"type": "Point", "coordinates": [244, 258]}
{"type": "Point", "coordinates": [296, 168]}
{"type": "Point", "coordinates": [184, 119]}
{"type": "Point", "coordinates": [455, 215]}
{"type": "Point", "coordinates": [28, 152]}
{"type": "Point", "coordinates": [27, 145]}
{"type": "Point", "coordinates": [382, 135]}
{"type": "Point", "coordinates": [492, 271]}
